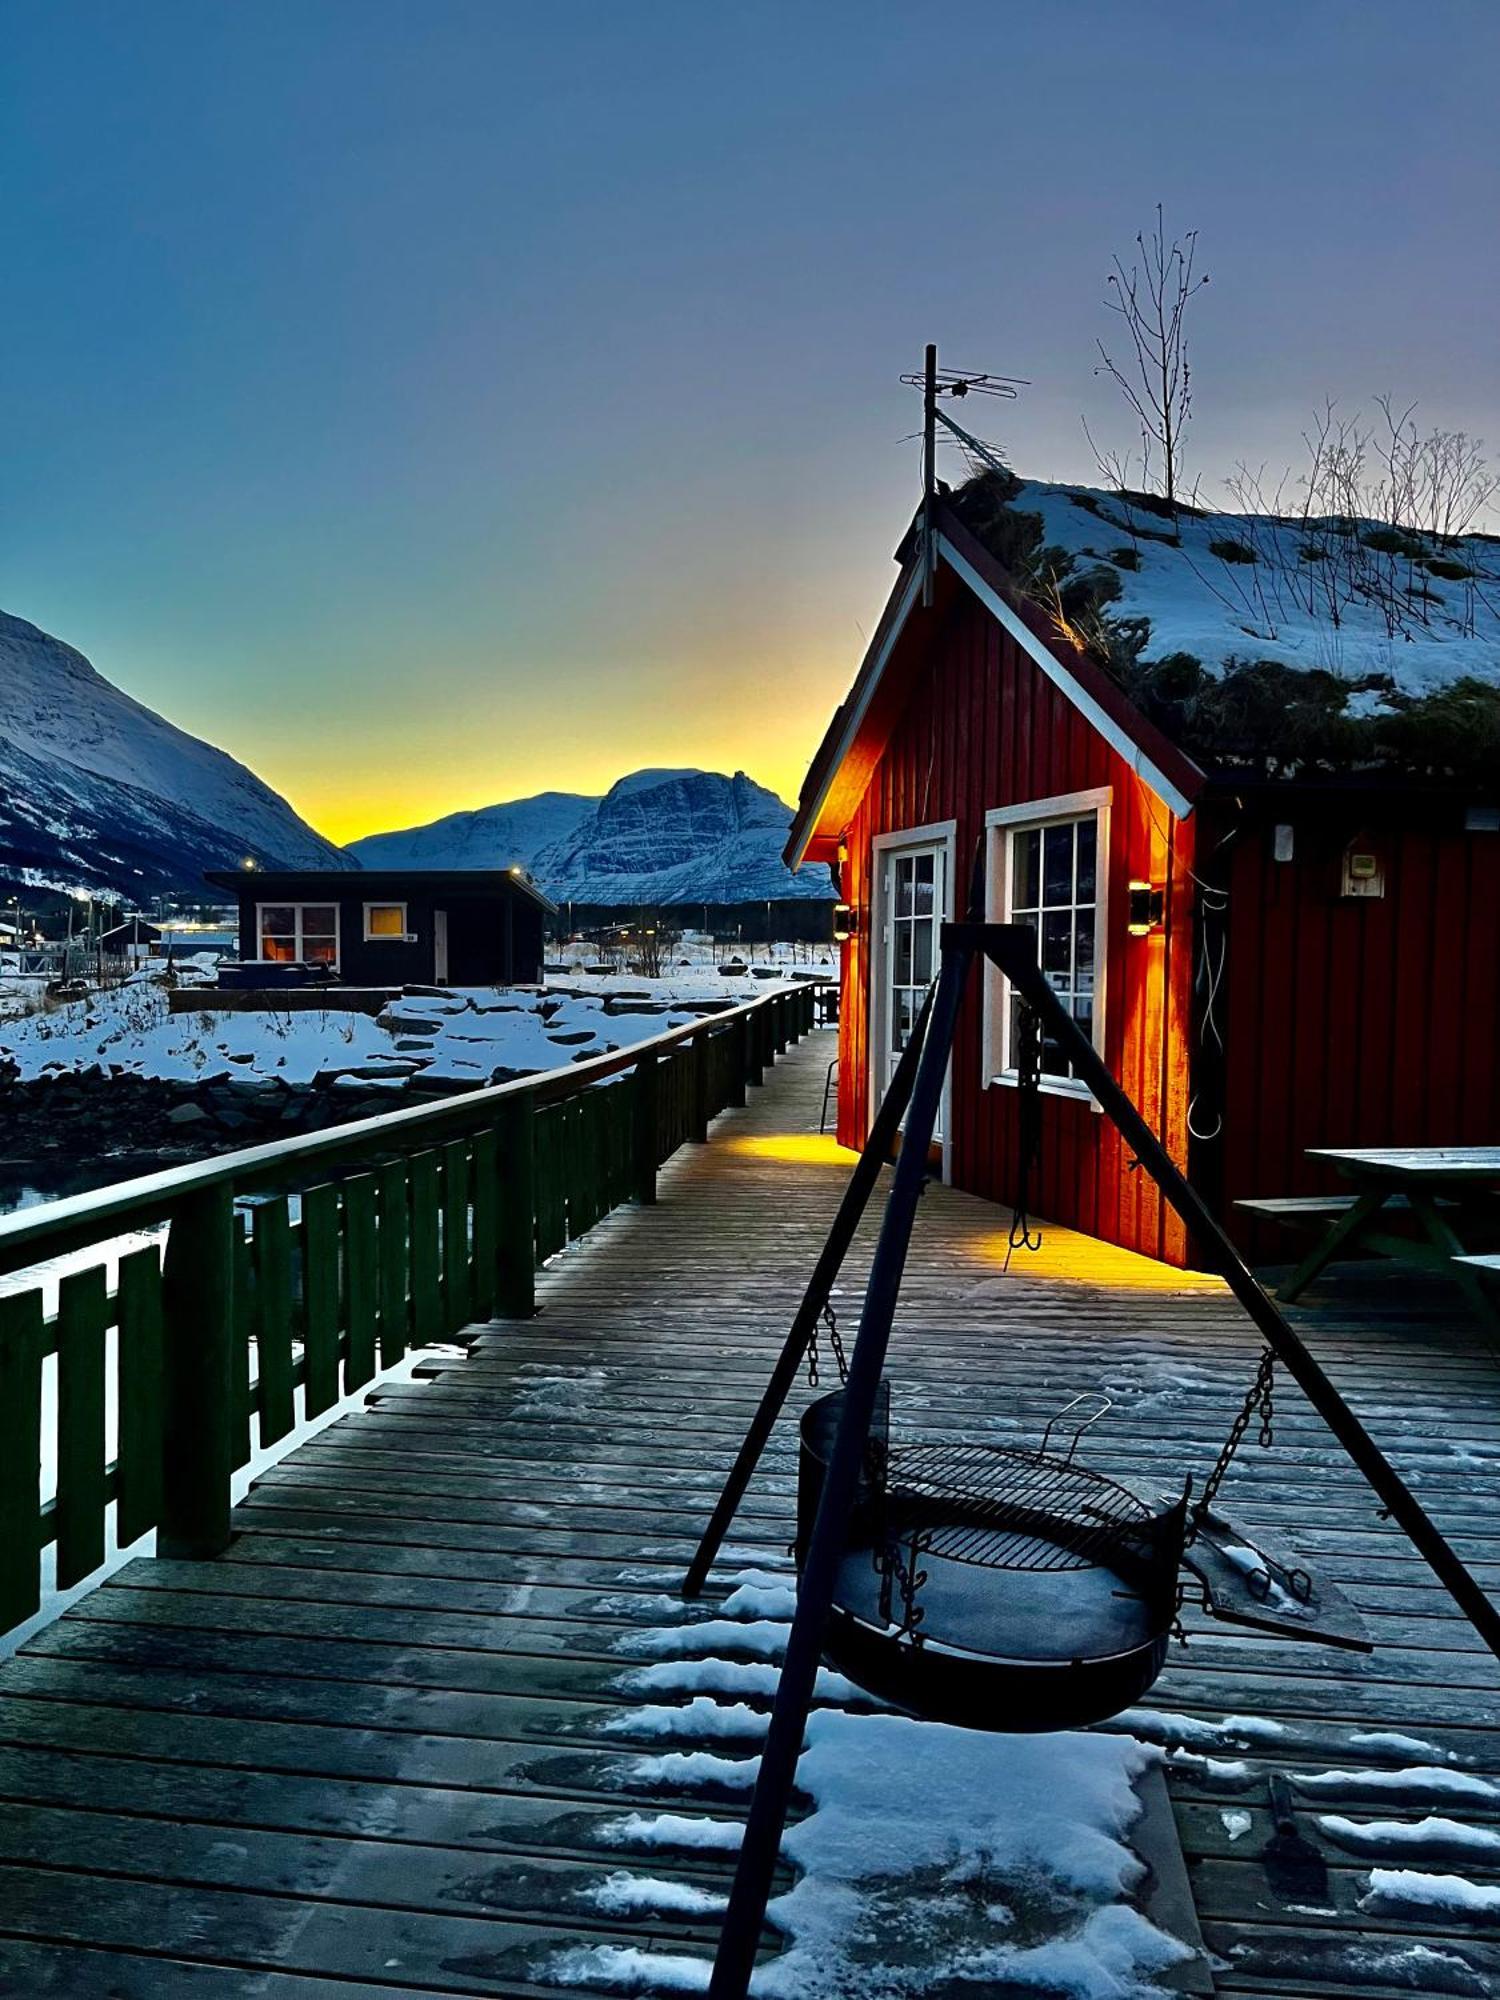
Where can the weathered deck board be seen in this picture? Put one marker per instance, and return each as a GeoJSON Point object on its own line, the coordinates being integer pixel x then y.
{"type": "Point", "coordinates": [372, 1748]}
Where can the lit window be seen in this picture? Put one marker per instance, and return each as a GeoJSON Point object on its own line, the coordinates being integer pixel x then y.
{"type": "Point", "coordinates": [290, 931]}
{"type": "Point", "coordinates": [385, 920]}
{"type": "Point", "coordinates": [1047, 870]}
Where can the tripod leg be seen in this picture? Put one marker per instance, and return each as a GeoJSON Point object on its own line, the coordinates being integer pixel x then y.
{"type": "Point", "coordinates": [778, 1765]}
{"type": "Point", "coordinates": [830, 1260]}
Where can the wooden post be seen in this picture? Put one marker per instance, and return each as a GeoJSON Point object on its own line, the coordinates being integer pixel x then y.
{"type": "Point", "coordinates": [198, 1314]}
{"type": "Point", "coordinates": [755, 1050]}
{"type": "Point", "coordinates": [515, 1271]}
{"type": "Point", "coordinates": [739, 1060]}
{"type": "Point", "coordinates": [646, 1137]}
{"type": "Point", "coordinates": [698, 1092]}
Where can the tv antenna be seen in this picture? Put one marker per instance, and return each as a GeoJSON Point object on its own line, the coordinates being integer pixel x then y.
{"type": "Point", "coordinates": [951, 383]}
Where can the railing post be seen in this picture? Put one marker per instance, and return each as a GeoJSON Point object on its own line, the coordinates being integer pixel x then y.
{"type": "Point", "coordinates": [755, 1046]}
{"type": "Point", "coordinates": [515, 1235]}
{"type": "Point", "coordinates": [739, 1060]}
{"type": "Point", "coordinates": [198, 1334]}
{"type": "Point", "coordinates": [645, 1138]}
{"type": "Point", "coordinates": [698, 1091]}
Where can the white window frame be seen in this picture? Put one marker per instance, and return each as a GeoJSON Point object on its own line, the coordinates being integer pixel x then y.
{"type": "Point", "coordinates": [938, 833]}
{"type": "Point", "coordinates": [406, 935]}
{"type": "Point", "coordinates": [291, 903]}
{"type": "Point", "coordinates": [1000, 823]}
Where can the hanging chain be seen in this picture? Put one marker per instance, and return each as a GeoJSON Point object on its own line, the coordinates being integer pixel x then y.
{"type": "Point", "coordinates": [1028, 1030]}
{"type": "Point", "coordinates": [830, 1319]}
{"type": "Point", "coordinates": [1260, 1398]}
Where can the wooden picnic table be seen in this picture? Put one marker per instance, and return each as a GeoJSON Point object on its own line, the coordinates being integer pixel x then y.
{"type": "Point", "coordinates": [1445, 1188]}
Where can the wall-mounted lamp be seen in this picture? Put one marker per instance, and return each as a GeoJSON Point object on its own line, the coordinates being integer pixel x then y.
{"type": "Point", "coordinates": [845, 922]}
{"type": "Point", "coordinates": [1147, 908]}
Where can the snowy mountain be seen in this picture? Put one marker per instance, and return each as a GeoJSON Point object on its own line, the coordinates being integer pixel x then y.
{"type": "Point", "coordinates": [97, 791]}
{"type": "Point", "coordinates": [656, 837]}
{"type": "Point", "coordinates": [491, 837]}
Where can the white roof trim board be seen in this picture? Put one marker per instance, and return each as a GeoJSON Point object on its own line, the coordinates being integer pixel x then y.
{"type": "Point", "coordinates": [857, 713]}
{"type": "Point", "coordinates": [1130, 753]}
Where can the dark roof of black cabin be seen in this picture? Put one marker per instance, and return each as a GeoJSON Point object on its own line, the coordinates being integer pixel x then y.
{"type": "Point", "coordinates": [138, 928]}
{"type": "Point", "coordinates": [371, 884]}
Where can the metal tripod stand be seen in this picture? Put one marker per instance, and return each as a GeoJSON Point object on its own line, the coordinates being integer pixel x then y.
{"type": "Point", "coordinates": [916, 1091]}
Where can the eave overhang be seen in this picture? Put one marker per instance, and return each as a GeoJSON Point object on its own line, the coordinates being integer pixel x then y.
{"type": "Point", "coordinates": [861, 727]}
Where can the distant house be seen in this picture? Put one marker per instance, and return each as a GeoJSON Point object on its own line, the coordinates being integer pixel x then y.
{"type": "Point", "coordinates": [1277, 922]}
{"type": "Point", "coordinates": [135, 940]}
{"type": "Point", "coordinates": [394, 927]}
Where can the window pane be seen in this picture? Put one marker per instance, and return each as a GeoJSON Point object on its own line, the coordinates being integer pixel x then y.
{"type": "Point", "coordinates": [323, 950]}
{"type": "Point", "coordinates": [925, 893]}
{"type": "Point", "coordinates": [1013, 1052]}
{"type": "Point", "coordinates": [320, 917]}
{"type": "Point", "coordinates": [903, 887]}
{"type": "Point", "coordinates": [1026, 858]}
{"type": "Point", "coordinates": [903, 954]}
{"type": "Point", "coordinates": [921, 957]}
{"type": "Point", "coordinates": [1057, 864]}
{"type": "Point", "coordinates": [1083, 951]}
{"type": "Point", "coordinates": [1054, 1063]}
{"type": "Point", "coordinates": [279, 951]}
{"type": "Point", "coordinates": [1083, 1013]}
{"type": "Point", "coordinates": [924, 868]}
{"type": "Point", "coordinates": [1057, 946]}
{"type": "Point", "coordinates": [278, 920]}
{"type": "Point", "coordinates": [1088, 843]}
{"type": "Point", "coordinates": [903, 1013]}
{"type": "Point", "coordinates": [384, 920]}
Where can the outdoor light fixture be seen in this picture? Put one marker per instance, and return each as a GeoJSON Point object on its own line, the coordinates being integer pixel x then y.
{"type": "Point", "coordinates": [845, 922]}
{"type": "Point", "coordinates": [1147, 908]}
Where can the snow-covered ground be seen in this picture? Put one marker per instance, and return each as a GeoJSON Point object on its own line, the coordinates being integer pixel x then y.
{"type": "Point", "coordinates": [1271, 598]}
{"type": "Point", "coordinates": [932, 1858]}
{"type": "Point", "coordinates": [458, 1036]}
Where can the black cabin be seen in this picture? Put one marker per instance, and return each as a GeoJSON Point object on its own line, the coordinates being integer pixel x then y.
{"type": "Point", "coordinates": [394, 927]}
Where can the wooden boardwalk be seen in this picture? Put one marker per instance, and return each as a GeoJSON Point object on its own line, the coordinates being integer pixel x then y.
{"type": "Point", "coordinates": [376, 1747]}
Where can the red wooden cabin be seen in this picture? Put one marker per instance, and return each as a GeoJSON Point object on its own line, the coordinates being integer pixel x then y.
{"type": "Point", "coordinates": [1311, 963]}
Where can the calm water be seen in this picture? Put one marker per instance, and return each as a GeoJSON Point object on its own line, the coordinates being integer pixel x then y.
{"type": "Point", "coordinates": [26, 1183]}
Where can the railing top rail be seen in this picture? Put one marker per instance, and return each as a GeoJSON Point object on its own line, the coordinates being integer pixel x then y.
{"type": "Point", "coordinates": [77, 1220]}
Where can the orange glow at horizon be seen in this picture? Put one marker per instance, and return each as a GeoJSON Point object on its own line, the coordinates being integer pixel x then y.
{"type": "Point", "coordinates": [388, 777]}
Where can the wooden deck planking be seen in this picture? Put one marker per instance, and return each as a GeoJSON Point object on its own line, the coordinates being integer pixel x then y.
{"type": "Point", "coordinates": [369, 1749]}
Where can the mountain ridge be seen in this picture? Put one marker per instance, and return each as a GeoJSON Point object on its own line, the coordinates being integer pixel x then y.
{"type": "Point", "coordinates": [99, 792]}
{"type": "Point", "coordinates": [656, 837]}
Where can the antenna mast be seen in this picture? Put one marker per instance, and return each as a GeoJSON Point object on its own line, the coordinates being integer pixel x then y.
{"type": "Point", "coordinates": [935, 383]}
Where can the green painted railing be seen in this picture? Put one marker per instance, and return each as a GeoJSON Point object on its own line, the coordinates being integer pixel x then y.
{"type": "Point", "coordinates": [324, 1259]}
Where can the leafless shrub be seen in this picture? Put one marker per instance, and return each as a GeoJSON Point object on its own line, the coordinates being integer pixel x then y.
{"type": "Point", "coordinates": [1152, 299]}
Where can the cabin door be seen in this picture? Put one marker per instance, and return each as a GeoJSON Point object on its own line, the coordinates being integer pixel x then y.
{"type": "Point", "coordinates": [440, 947]}
{"type": "Point", "coordinates": [912, 876]}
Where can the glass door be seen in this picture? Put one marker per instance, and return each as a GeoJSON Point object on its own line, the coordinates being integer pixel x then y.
{"type": "Point", "coordinates": [916, 898]}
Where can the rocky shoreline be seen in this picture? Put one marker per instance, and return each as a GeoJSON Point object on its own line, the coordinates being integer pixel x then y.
{"type": "Point", "coordinates": [55, 1124]}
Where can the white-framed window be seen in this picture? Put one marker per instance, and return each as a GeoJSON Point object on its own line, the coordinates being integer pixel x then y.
{"type": "Point", "coordinates": [290, 931]}
{"type": "Point", "coordinates": [386, 921]}
{"type": "Point", "coordinates": [1048, 868]}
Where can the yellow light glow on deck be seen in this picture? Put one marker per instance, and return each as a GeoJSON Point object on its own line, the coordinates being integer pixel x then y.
{"type": "Point", "coordinates": [796, 1149]}
{"type": "Point", "coordinates": [1070, 1258]}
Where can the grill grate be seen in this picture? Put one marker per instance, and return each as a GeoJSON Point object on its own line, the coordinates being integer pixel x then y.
{"type": "Point", "coordinates": [1000, 1508]}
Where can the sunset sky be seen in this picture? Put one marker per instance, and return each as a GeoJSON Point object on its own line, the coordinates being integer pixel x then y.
{"type": "Point", "coordinates": [433, 404]}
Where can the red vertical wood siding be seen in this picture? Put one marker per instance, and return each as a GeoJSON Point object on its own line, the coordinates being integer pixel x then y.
{"type": "Point", "coordinates": [1357, 1021]}
{"type": "Point", "coordinates": [985, 728]}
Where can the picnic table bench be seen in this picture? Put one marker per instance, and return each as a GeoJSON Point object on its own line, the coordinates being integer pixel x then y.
{"type": "Point", "coordinates": [1447, 1189]}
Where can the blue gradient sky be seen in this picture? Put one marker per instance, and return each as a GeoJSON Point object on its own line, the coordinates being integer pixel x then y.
{"type": "Point", "coordinates": [436, 403]}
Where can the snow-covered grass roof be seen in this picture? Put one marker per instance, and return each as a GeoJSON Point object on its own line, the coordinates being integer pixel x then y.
{"type": "Point", "coordinates": [1264, 587]}
{"type": "Point", "coordinates": [1265, 642]}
